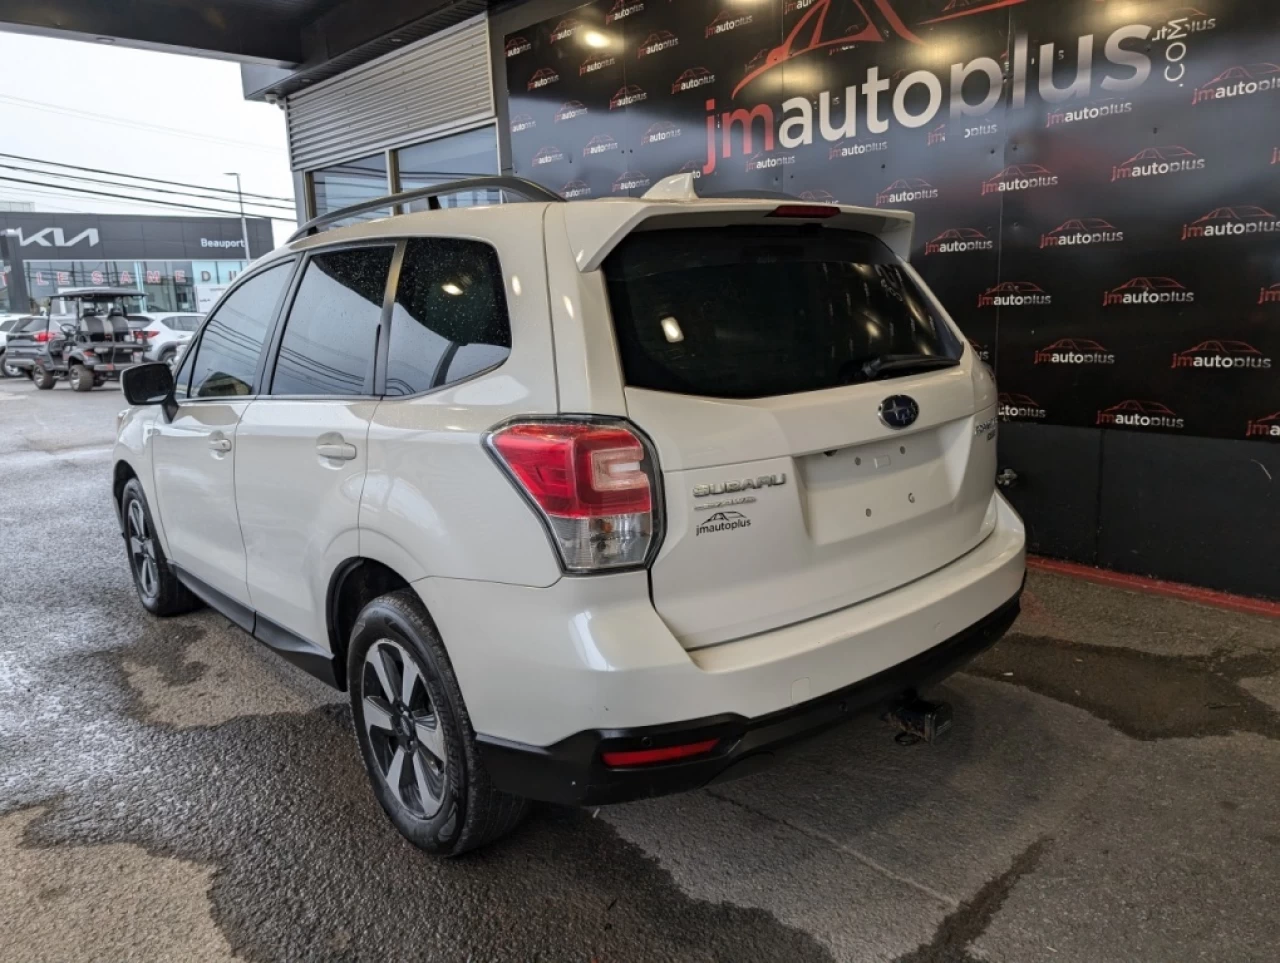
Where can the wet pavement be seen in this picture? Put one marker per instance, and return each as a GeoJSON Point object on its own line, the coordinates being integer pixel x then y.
{"type": "Point", "coordinates": [171, 790]}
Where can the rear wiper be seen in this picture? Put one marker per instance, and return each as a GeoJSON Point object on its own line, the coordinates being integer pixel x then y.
{"type": "Point", "coordinates": [883, 364]}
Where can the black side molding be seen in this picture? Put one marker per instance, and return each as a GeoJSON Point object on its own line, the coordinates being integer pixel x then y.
{"type": "Point", "coordinates": [305, 655]}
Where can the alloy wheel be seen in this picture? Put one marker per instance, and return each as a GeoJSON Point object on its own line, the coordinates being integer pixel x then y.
{"type": "Point", "coordinates": [405, 732]}
{"type": "Point", "coordinates": [142, 551]}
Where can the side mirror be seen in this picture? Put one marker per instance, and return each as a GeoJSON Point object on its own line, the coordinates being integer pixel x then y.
{"type": "Point", "coordinates": [149, 384]}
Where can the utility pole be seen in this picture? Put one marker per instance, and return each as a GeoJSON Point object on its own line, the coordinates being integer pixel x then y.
{"type": "Point", "coordinates": [244, 225]}
{"type": "Point", "coordinates": [11, 254]}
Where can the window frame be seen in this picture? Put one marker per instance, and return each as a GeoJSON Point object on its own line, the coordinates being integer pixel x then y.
{"type": "Point", "coordinates": [382, 332]}
{"type": "Point", "coordinates": [197, 339]}
{"type": "Point", "coordinates": [384, 344]}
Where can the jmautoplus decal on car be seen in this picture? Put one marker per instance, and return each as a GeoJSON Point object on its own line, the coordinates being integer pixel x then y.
{"type": "Point", "coordinates": [723, 522]}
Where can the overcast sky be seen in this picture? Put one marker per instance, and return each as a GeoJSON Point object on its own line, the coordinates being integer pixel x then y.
{"type": "Point", "coordinates": [137, 112]}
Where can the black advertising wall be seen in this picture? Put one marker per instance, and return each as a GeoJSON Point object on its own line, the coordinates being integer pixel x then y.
{"type": "Point", "coordinates": [1097, 192]}
{"type": "Point", "coordinates": [43, 236]}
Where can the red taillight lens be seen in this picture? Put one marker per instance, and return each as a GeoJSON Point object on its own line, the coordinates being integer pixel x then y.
{"type": "Point", "coordinates": [647, 757]}
{"type": "Point", "coordinates": [147, 335]}
{"type": "Point", "coordinates": [42, 336]}
{"type": "Point", "coordinates": [805, 210]}
{"type": "Point", "coordinates": [593, 484]}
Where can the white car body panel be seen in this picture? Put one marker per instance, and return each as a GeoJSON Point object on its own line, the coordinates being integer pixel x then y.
{"type": "Point", "coordinates": [299, 509]}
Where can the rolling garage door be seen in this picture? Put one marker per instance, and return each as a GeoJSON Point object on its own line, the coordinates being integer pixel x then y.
{"type": "Point", "coordinates": [437, 85]}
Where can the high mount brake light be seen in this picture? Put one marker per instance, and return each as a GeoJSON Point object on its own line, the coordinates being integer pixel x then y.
{"type": "Point", "coordinates": [805, 210]}
{"type": "Point", "coordinates": [593, 483]}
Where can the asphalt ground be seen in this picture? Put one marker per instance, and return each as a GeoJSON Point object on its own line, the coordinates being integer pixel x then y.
{"type": "Point", "coordinates": [170, 790]}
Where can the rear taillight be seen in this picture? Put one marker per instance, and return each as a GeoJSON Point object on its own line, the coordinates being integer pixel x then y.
{"type": "Point", "coordinates": [147, 335]}
{"type": "Point", "coordinates": [593, 482]}
{"type": "Point", "coordinates": [42, 336]}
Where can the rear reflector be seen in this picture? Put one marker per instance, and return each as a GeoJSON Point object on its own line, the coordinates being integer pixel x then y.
{"type": "Point", "coordinates": [647, 757]}
{"type": "Point", "coordinates": [593, 483]}
{"type": "Point", "coordinates": [805, 210]}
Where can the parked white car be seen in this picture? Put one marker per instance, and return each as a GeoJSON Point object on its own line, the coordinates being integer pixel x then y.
{"type": "Point", "coordinates": [165, 334]}
{"type": "Point", "coordinates": [616, 512]}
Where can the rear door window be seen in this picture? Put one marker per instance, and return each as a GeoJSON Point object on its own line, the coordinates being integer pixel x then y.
{"type": "Point", "coordinates": [450, 317]}
{"type": "Point", "coordinates": [226, 360]}
{"type": "Point", "coordinates": [754, 312]}
{"type": "Point", "coordinates": [332, 332]}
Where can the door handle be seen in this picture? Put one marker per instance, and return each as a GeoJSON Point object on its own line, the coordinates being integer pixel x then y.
{"type": "Point", "coordinates": [220, 444]}
{"type": "Point", "coordinates": [340, 450]}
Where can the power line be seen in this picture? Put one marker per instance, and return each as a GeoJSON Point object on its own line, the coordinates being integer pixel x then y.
{"type": "Point", "coordinates": [125, 122]}
{"type": "Point", "coordinates": [117, 197]}
{"type": "Point", "coordinates": [22, 193]}
{"type": "Point", "coordinates": [139, 177]}
{"type": "Point", "coordinates": [139, 187]}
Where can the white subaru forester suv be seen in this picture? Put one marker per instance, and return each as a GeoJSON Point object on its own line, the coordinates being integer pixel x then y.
{"type": "Point", "coordinates": [580, 502]}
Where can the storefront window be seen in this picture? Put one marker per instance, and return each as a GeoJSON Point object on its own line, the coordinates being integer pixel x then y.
{"type": "Point", "coordinates": [4, 288]}
{"type": "Point", "coordinates": [453, 158]}
{"type": "Point", "coordinates": [350, 183]}
{"type": "Point", "coordinates": [167, 285]}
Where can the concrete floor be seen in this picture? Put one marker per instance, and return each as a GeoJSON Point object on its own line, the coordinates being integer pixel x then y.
{"type": "Point", "coordinates": [170, 790]}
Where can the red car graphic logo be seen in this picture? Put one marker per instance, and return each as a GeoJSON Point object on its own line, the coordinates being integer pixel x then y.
{"type": "Point", "coordinates": [662, 130]}
{"type": "Point", "coordinates": [1082, 225]}
{"type": "Point", "coordinates": [658, 40]}
{"type": "Point", "coordinates": [1016, 287]}
{"type": "Point", "coordinates": [961, 234]}
{"type": "Point", "coordinates": [690, 78]}
{"type": "Point", "coordinates": [575, 189]}
{"type": "Point", "coordinates": [723, 18]}
{"type": "Point", "coordinates": [1222, 348]}
{"type": "Point", "coordinates": [1015, 400]}
{"type": "Point", "coordinates": [1246, 213]}
{"type": "Point", "coordinates": [1152, 284]}
{"type": "Point", "coordinates": [548, 155]}
{"type": "Point", "coordinates": [1246, 72]}
{"type": "Point", "coordinates": [1074, 344]}
{"type": "Point", "coordinates": [565, 29]}
{"type": "Point", "coordinates": [758, 60]}
{"type": "Point", "coordinates": [630, 94]}
{"type": "Point", "coordinates": [1152, 408]}
{"type": "Point", "coordinates": [819, 197]}
{"type": "Point", "coordinates": [630, 181]}
{"type": "Point", "coordinates": [542, 77]}
{"type": "Point", "coordinates": [1171, 153]}
{"type": "Point", "coordinates": [517, 45]}
{"type": "Point", "coordinates": [599, 144]}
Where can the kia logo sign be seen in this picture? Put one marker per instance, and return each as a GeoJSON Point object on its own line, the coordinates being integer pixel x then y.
{"type": "Point", "coordinates": [899, 411]}
{"type": "Point", "coordinates": [56, 237]}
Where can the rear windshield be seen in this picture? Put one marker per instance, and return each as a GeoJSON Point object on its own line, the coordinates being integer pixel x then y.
{"type": "Point", "coordinates": [188, 322]}
{"type": "Point", "coordinates": [34, 324]}
{"type": "Point", "coordinates": [752, 312]}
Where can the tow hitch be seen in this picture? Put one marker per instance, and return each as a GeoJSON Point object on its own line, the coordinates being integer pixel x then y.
{"type": "Point", "coordinates": [918, 719]}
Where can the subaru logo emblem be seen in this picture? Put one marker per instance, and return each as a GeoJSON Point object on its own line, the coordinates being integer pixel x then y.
{"type": "Point", "coordinates": [899, 411]}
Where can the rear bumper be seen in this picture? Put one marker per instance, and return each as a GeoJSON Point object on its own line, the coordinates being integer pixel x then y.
{"type": "Point", "coordinates": [573, 772]}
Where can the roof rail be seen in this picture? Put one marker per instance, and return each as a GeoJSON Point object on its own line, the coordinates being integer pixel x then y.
{"type": "Point", "coordinates": [516, 185]}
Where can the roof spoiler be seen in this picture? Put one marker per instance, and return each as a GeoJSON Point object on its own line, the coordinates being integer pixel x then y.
{"type": "Point", "coordinates": [596, 229]}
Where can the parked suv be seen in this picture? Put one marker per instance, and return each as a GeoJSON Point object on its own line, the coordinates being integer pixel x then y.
{"type": "Point", "coordinates": [9, 322]}
{"type": "Point", "coordinates": [586, 520]}
{"type": "Point", "coordinates": [165, 335]}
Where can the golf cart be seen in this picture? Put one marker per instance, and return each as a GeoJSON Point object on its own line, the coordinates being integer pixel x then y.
{"type": "Point", "coordinates": [94, 342]}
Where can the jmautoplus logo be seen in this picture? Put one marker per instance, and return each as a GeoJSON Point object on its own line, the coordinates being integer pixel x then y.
{"type": "Point", "coordinates": [1078, 351]}
{"type": "Point", "coordinates": [1240, 81]}
{"type": "Point", "coordinates": [1270, 295]}
{"type": "Point", "coordinates": [723, 522]}
{"type": "Point", "coordinates": [517, 45]}
{"type": "Point", "coordinates": [629, 94]}
{"type": "Point", "coordinates": [764, 161]}
{"type": "Point", "coordinates": [657, 42]}
{"type": "Point", "coordinates": [630, 181]}
{"type": "Point", "coordinates": [906, 191]}
{"type": "Point", "coordinates": [1148, 291]}
{"type": "Point", "coordinates": [622, 9]}
{"type": "Point", "coordinates": [597, 61]}
{"type": "Point", "coordinates": [937, 136]}
{"type": "Point", "coordinates": [726, 22]}
{"type": "Point", "coordinates": [1156, 162]}
{"type": "Point", "coordinates": [959, 240]}
{"type": "Point", "coordinates": [547, 155]}
{"type": "Point", "coordinates": [522, 122]}
{"type": "Point", "coordinates": [1222, 356]}
{"type": "Point", "coordinates": [1139, 414]}
{"type": "Point", "coordinates": [1082, 232]}
{"type": "Point", "coordinates": [857, 149]}
{"type": "Point", "coordinates": [542, 77]}
{"type": "Point", "coordinates": [600, 144]}
{"type": "Point", "coordinates": [1016, 407]}
{"type": "Point", "coordinates": [1232, 222]}
{"type": "Point", "coordinates": [663, 130]}
{"type": "Point", "coordinates": [565, 29]}
{"type": "Point", "coordinates": [696, 77]}
{"type": "Point", "coordinates": [570, 110]}
{"type": "Point", "coordinates": [1268, 427]}
{"type": "Point", "coordinates": [1020, 177]}
{"type": "Point", "coordinates": [575, 189]}
{"type": "Point", "coordinates": [1108, 107]}
{"type": "Point", "coordinates": [1015, 294]}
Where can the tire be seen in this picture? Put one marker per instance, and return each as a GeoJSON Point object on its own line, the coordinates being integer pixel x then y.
{"type": "Point", "coordinates": [431, 734]}
{"type": "Point", "coordinates": [167, 356]}
{"type": "Point", "coordinates": [81, 378]}
{"type": "Point", "coordinates": [7, 370]}
{"type": "Point", "coordinates": [42, 376]}
{"type": "Point", "coordinates": [158, 587]}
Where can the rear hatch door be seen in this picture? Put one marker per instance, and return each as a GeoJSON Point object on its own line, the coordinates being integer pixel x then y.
{"type": "Point", "coordinates": [814, 416]}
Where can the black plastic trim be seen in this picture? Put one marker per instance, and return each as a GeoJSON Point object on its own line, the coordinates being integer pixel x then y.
{"type": "Point", "coordinates": [572, 771]}
{"type": "Point", "coordinates": [305, 655]}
